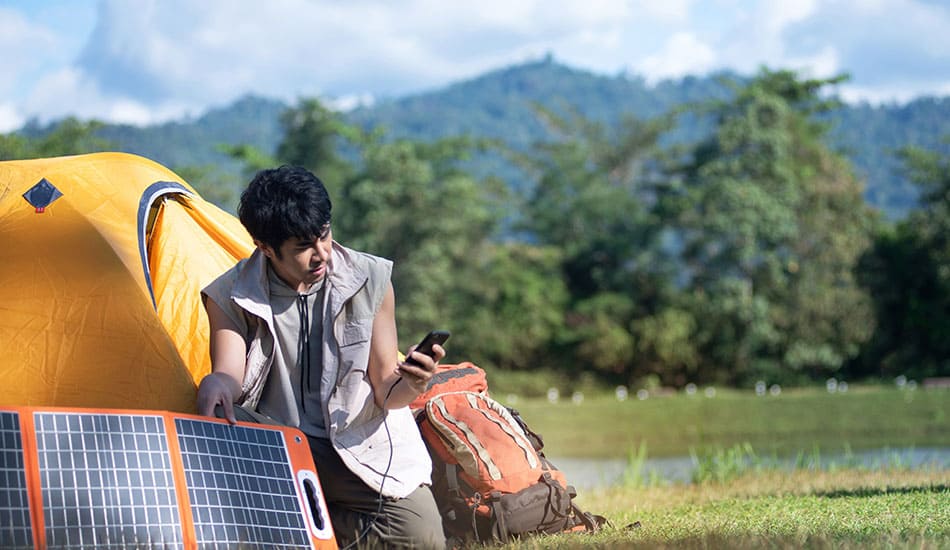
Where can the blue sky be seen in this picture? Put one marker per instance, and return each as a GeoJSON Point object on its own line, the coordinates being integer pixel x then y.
{"type": "Point", "coordinates": [149, 61]}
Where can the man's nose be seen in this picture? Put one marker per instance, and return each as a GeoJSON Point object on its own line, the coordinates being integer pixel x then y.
{"type": "Point", "coordinates": [323, 250]}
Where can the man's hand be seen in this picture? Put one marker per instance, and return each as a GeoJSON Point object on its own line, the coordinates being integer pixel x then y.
{"type": "Point", "coordinates": [216, 389]}
{"type": "Point", "coordinates": [418, 376]}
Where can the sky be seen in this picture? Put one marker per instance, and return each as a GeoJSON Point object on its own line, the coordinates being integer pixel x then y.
{"type": "Point", "coordinates": [150, 61]}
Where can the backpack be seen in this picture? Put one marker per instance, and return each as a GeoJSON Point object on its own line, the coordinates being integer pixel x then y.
{"type": "Point", "coordinates": [490, 479]}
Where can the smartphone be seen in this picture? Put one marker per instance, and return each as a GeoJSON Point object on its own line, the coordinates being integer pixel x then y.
{"type": "Point", "coordinates": [425, 346]}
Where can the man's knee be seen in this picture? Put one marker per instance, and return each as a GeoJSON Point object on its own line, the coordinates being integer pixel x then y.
{"type": "Point", "coordinates": [418, 518]}
{"type": "Point", "coordinates": [411, 522]}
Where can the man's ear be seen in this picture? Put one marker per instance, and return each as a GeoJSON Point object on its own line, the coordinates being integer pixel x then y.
{"type": "Point", "coordinates": [266, 249]}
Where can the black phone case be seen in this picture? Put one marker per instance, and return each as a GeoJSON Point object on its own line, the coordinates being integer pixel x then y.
{"type": "Point", "coordinates": [425, 346]}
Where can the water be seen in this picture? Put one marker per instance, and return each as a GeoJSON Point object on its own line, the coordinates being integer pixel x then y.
{"type": "Point", "coordinates": [590, 473]}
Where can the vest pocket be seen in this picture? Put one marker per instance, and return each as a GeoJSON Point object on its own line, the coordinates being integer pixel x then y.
{"type": "Point", "coordinates": [259, 352]}
{"type": "Point", "coordinates": [354, 393]}
{"type": "Point", "coordinates": [354, 332]}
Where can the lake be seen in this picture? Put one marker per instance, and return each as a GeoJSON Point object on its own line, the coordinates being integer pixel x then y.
{"type": "Point", "coordinates": [591, 473]}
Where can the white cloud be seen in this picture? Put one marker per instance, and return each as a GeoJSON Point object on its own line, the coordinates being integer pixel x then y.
{"type": "Point", "coordinates": [890, 93]}
{"type": "Point", "coordinates": [154, 59]}
{"type": "Point", "coordinates": [350, 102]}
{"type": "Point", "coordinates": [24, 45]}
{"type": "Point", "coordinates": [10, 118]}
{"type": "Point", "coordinates": [777, 15]}
{"type": "Point", "coordinates": [69, 92]}
{"type": "Point", "coordinates": [683, 54]}
{"type": "Point", "coordinates": [60, 93]}
{"type": "Point", "coordinates": [893, 49]}
{"type": "Point", "coordinates": [130, 111]}
{"type": "Point", "coordinates": [874, 96]}
{"type": "Point", "coordinates": [821, 64]}
{"type": "Point", "coordinates": [668, 10]}
{"type": "Point", "coordinates": [215, 51]}
{"type": "Point", "coordinates": [755, 36]}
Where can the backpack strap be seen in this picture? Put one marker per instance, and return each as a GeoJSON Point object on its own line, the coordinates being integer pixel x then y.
{"type": "Point", "coordinates": [476, 501]}
{"type": "Point", "coordinates": [588, 521]}
{"type": "Point", "coordinates": [556, 492]}
{"type": "Point", "coordinates": [448, 378]}
{"type": "Point", "coordinates": [452, 479]}
{"type": "Point", "coordinates": [499, 529]}
{"type": "Point", "coordinates": [594, 522]}
{"type": "Point", "coordinates": [535, 438]}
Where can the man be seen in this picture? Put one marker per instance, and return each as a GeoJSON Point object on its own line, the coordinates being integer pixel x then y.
{"type": "Point", "coordinates": [303, 333]}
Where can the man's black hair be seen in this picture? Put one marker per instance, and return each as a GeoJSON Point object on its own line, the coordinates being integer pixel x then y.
{"type": "Point", "coordinates": [283, 203]}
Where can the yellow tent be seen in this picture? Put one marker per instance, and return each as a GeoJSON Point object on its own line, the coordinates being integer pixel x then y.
{"type": "Point", "coordinates": [102, 257]}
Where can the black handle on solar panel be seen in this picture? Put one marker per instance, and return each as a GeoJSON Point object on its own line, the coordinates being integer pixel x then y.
{"type": "Point", "coordinates": [314, 506]}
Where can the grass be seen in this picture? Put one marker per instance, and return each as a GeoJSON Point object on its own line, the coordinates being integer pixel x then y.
{"type": "Point", "coordinates": [800, 509]}
{"type": "Point", "coordinates": [872, 417]}
{"type": "Point", "coordinates": [742, 496]}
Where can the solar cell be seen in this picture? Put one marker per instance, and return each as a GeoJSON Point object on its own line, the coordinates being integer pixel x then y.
{"type": "Point", "coordinates": [15, 529]}
{"type": "Point", "coordinates": [240, 486]}
{"type": "Point", "coordinates": [107, 481]}
{"type": "Point", "coordinates": [80, 478]}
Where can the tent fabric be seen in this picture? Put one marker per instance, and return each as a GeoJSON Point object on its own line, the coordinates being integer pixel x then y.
{"type": "Point", "coordinates": [99, 288]}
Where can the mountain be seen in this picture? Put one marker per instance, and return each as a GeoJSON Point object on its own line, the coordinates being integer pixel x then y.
{"type": "Point", "coordinates": [250, 120]}
{"type": "Point", "coordinates": [871, 135]}
{"type": "Point", "coordinates": [498, 104]}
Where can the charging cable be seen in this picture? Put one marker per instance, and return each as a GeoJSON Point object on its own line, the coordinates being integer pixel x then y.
{"type": "Point", "coordinates": [389, 463]}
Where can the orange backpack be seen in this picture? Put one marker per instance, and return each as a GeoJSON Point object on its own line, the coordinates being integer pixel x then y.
{"type": "Point", "coordinates": [490, 478]}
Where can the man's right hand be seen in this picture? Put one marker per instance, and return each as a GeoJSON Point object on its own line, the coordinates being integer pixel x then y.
{"type": "Point", "coordinates": [215, 389]}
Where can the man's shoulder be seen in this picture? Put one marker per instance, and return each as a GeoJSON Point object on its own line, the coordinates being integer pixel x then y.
{"type": "Point", "coordinates": [226, 281]}
{"type": "Point", "coordinates": [232, 272]}
{"type": "Point", "coordinates": [364, 261]}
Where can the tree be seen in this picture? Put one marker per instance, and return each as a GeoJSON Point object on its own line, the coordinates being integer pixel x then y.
{"type": "Point", "coordinates": [212, 184]}
{"type": "Point", "coordinates": [592, 201]}
{"type": "Point", "coordinates": [69, 136]}
{"type": "Point", "coordinates": [513, 307]}
{"type": "Point", "coordinates": [410, 202]}
{"type": "Point", "coordinates": [14, 147]}
{"type": "Point", "coordinates": [413, 203]}
{"type": "Point", "coordinates": [908, 273]}
{"type": "Point", "coordinates": [772, 223]}
{"type": "Point", "coordinates": [313, 137]}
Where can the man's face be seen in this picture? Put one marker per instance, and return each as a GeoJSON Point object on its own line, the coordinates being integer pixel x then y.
{"type": "Point", "coordinates": [302, 262]}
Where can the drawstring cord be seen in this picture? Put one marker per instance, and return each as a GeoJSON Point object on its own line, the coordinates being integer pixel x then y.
{"type": "Point", "coordinates": [303, 349]}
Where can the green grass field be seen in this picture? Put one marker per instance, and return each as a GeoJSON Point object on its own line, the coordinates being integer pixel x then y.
{"type": "Point", "coordinates": [796, 420]}
{"type": "Point", "coordinates": [890, 506]}
{"type": "Point", "coordinates": [803, 509]}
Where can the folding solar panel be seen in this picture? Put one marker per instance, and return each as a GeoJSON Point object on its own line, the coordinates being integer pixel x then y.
{"type": "Point", "coordinates": [80, 478]}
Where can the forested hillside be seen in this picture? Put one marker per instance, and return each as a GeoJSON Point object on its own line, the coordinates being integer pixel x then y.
{"type": "Point", "coordinates": [250, 120]}
{"type": "Point", "coordinates": [500, 104]}
{"type": "Point", "coordinates": [629, 248]}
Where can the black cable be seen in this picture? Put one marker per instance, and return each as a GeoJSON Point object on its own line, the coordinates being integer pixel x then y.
{"type": "Point", "coordinates": [389, 463]}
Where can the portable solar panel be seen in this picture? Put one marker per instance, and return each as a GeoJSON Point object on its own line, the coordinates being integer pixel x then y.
{"type": "Point", "coordinates": [83, 478]}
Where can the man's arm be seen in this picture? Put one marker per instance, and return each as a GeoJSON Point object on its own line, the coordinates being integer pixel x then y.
{"type": "Point", "coordinates": [228, 352]}
{"type": "Point", "coordinates": [383, 360]}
